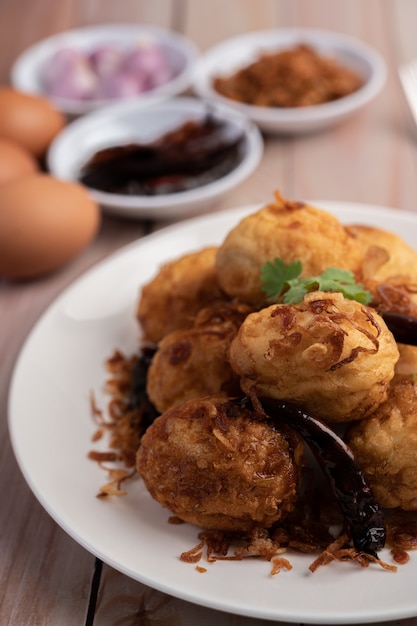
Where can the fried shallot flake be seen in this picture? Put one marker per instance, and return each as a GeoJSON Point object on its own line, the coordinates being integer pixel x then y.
{"type": "Point", "coordinates": [220, 546]}
{"type": "Point", "coordinates": [293, 77]}
{"type": "Point", "coordinates": [122, 421]}
{"type": "Point", "coordinates": [278, 564]}
{"type": "Point", "coordinates": [305, 531]}
{"type": "Point", "coordinates": [112, 488]}
{"type": "Point", "coordinates": [337, 551]}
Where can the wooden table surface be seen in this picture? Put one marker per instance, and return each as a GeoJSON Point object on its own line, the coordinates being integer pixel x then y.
{"type": "Point", "coordinates": [46, 578]}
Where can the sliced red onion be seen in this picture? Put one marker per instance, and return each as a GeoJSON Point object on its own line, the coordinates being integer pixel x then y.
{"type": "Point", "coordinates": [121, 85]}
{"type": "Point", "coordinates": [106, 60]}
{"type": "Point", "coordinates": [107, 72]}
{"type": "Point", "coordinates": [68, 75]}
{"type": "Point", "coordinates": [147, 58]}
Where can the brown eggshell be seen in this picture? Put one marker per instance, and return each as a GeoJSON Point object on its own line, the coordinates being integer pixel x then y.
{"type": "Point", "coordinates": [15, 161]}
{"type": "Point", "coordinates": [29, 120]}
{"type": "Point", "coordinates": [44, 222]}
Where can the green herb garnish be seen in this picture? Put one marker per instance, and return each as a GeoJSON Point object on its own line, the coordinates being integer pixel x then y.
{"type": "Point", "coordinates": [276, 276]}
{"type": "Point", "coordinates": [283, 281]}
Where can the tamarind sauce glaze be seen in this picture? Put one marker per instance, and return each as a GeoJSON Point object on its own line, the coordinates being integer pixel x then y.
{"type": "Point", "coordinates": [196, 153]}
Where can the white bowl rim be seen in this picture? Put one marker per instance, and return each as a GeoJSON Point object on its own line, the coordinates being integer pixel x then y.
{"type": "Point", "coordinates": [25, 69]}
{"type": "Point", "coordinates": [247, 165]}
{"type": "Point", "coordinates": [289, 36]}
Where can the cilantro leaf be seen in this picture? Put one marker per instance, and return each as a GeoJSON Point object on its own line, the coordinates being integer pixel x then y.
{"type": "Point", "coordinates": [276, 274]}
{"type": "Point", "coordinates": [281, 280]}
{"type": "Point", "coordinates": [297, 289]}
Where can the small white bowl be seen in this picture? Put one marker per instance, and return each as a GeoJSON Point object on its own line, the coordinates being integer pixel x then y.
{"type": "Point", "coordinates": [128, 122]}
{"type": "Point", "coordinates": [233, 54]}
{"type": "Point", "coordinates": [27, 71]}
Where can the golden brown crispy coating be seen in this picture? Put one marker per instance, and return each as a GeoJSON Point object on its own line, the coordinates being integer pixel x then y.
{"type": "Point", "coordinates": [334, 356]}
{"type": "Point", "coordinates": [213, 465]}
{"type": "Point", "coordinates": [192, 362]}
{"type": "Point", "coordinates": [385, 447]}
{"type": "Point", "coordinates": [389, 268]}
{"type": "Point", "coordinates": [394, 294]}
{"type": "Point", "coordinates": [292, 231]}
{"type": "Point", "coordinates": [182, 287]}
{"type": "Point", "coordinates": [406, 366]}
{"type": "Point", "coordinates": [386, 254]}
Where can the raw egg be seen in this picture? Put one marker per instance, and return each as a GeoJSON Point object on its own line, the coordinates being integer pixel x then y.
{"type": "Point", "coordinates": [29, 120]}
{"type": "Point", "coordinates": [15, 161]}
{"type": "Point", "coordinates": [44, 223]}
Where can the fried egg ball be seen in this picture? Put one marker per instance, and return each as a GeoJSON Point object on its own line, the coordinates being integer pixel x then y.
{"type": "Point", "coordinates": [192, 362]}
{"type": "Point", "coordinates": [334, 356]}
{"type": "Point", "coordinates": [406, 366]}
{"type": "Point", "coordinates": [389, 268]}
{"type": "Point", "coordinates": [213, 465]}
{"type": "Point", "coordinates": [386, 254]}
{"type": "Point", "coordinates": [291, 231]}
{"type": "Point", "coordinates": [395, 295]}
{"type": "Point", "coordinates": [385, 448]}
{"type": "Point", "coordinates": [173, 297]}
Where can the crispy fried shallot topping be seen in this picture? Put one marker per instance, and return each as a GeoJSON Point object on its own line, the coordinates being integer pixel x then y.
{"type": "Point", "coordinates": [305, 531]}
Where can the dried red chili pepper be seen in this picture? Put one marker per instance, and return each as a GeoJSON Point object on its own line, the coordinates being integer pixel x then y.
{"type": "Point", "coordinates": [360, 510]}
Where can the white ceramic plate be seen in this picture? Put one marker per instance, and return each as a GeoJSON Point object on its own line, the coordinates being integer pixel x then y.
{"type": "Point", "coordinates": [229, 56]}
{"type": "Point", "coordinates": [26, 72]}
{"type": "Point", "coordinates": [51, 428]}
{"type": "Point", "coordinates": [130, 121]}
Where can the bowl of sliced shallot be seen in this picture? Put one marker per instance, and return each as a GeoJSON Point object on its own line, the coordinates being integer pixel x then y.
{"type": "Point", "coordinates": [86, 68]}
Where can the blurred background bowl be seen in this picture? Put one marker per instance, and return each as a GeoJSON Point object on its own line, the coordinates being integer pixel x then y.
{"type": "Point", "coordinates": [131, 121]}
{"type": "Point", "coordinates": [234, 54]}
{"type": "Point", "coordinates": [29, 70]}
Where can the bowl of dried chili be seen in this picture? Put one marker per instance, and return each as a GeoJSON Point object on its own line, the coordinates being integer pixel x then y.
{"type": "Point", "coordinates": [173, 159]}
